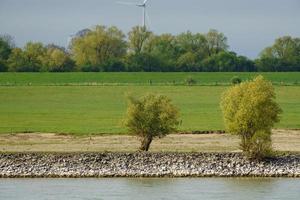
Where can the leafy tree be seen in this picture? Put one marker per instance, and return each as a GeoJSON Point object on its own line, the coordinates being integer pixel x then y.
{"type": "Point", "coordinates": [138, 38]}
{"type": "Point", "coordinates": [223, 61]}
{"type": "Point", "coordinates": [83, 32]}
{"type": "Point", "coordinates": [283, 55]}
{"type": "Point", "coordinates": [267, 64]}
{"type": "Point", "coordinates": [144, 62]}
{"type": "Point", "coordinates": [250, 111]}
{"type": "Point", "coordinates": [28, 60]}
{"type": "Point", "coordinates": [187, 62]}
{"type": "Point", "coordinates": [3, 66]}
{"type": "Point", "coordinates": [216, 42]}
{"type": "Point", "coordinates": [6, 46]}
{"type": "Point", "coordinates": [114, 65]}
{"type": "Point", "coordinates": [16, 60]}
{"type": "Point", "coordinates": [151, 116]}
{"type": "Point", "coordinates": [56, 59]}
{"type": "Point", "coordinates": [192, 43]}
{"type": "Point", "coordinates": [164, 48]}
{"type": "Point", "coordinates": [227, 62]}
{"type": "Point", "coordinates": [244, 64]}
{"type": "Point", "coordinates": [97, 47]}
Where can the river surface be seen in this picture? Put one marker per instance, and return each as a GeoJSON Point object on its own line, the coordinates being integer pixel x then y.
{"type": "Point", "coordinates": [164, 189]}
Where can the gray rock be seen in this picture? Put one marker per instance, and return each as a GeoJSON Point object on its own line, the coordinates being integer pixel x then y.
{"type": "Point", "coordinates": [145, 165]}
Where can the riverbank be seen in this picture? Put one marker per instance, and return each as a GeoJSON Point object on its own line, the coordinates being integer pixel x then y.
{"type": "Point", "coordinates": [79, 165]}
{"type": "Point", "coordinates": [283, 140]}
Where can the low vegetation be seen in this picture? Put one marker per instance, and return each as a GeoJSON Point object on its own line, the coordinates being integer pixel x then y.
{"type": "Point", "coordinates": [250, 111]}
{"type": "Point", "coordinates": [236, 80]}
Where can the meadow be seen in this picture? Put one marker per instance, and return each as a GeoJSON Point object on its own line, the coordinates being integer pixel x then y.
{"type": "Point", "coordinates": [99, 109]}
{"type": "Point", "coordinates": [140, 78]}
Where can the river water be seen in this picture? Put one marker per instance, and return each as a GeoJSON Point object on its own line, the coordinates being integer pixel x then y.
{"type": "Point", "coordinates": [164, 189]}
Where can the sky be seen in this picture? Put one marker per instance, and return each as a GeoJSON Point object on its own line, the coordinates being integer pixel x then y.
{"type": "Point", "coordinates": [250, 25]}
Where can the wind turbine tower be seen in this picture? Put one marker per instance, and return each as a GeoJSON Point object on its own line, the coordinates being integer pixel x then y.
{"type": "Point", "coordinates": [141, 5]}
{"type": "Point", "coordinates": [144, 6]}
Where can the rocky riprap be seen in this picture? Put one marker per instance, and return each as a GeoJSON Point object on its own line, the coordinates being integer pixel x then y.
{"type": "Point", "coordinates": [145, 165]}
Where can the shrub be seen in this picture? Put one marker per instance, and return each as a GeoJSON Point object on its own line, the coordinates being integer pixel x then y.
{"type": "Point", "coordinates": [260, 145]}
{"type": "Point", "coordinates": [236, 80]}
{"type": "Point", "coordinates": [190, 81]}
{"type": "Point", "coordinates": [250, 111]}
{"type": "Point", "coordinates": [151, 116]}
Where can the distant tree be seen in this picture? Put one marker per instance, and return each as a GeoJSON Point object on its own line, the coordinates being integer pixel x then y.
{"type": "Point", "coordinates": [16, 60]}
{"type": "Point", "coordinates": [283, 55]}
{"type": "Point", "coordinates": [114, 65]}
{"type": "Point", "coordinates": [138, 37]}
{"type": "Point", "coordinates": [3, 66]}
{"type": "Point", "coordinates": [192, 43]}
{"type": "Point", "coordinates": [267, 64]}
{"type": "Point", "coordinates": [226, 61]}
{"type": "Point", "coordinates": [28, 60]}
{"type": "Point", "coordinates": [99, 46]}
{"type": "Point", "coordinates": [216, 41]}
{"type": "Point", "coordinates": [250, 111]}
{"type": "Point", "coordinates": [6, 46]}
{"type": "Point", "coordinates": [56, 59]}
{"type": "Point", "coordinates": [164, 48]}
{"type": "Point", "coordinates": [244, 64]}
{"type": "Point", "coordinates": [83, 32]}
{"type": "Point", "coordinates": [223, 62]}
{"type": "Point", "coordinates": [151, 116]}
{"type": "Point", "coordinates": [187, 62]}
{"type": "Point", "coordinates": [106, 49]}
{"type": "Point", "coordinates": [142, 62]}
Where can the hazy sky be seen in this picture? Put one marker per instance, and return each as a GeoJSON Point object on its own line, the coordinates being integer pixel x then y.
{"type": "Point", "coordinates": [250, 25]}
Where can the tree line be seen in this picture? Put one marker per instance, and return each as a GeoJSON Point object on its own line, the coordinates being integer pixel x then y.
{"type": "Point", "coordinates": [108, 49]}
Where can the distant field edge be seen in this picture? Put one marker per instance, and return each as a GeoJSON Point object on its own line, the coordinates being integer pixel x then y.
{"type": "Point", "coordinates": [140, 78]}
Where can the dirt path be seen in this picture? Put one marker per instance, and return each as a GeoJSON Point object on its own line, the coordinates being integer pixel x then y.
{"type": "Point", "coordinates": [283, 140]}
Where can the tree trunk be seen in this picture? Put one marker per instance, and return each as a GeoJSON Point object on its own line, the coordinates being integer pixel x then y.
{"type": "Point", "coordinates": [146, 141]}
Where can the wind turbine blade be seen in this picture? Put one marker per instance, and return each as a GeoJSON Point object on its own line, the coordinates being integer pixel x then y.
{"type": "Point", "coordinates": [145, 1]}
{"type": "Point", "coordinates": [126, 3]}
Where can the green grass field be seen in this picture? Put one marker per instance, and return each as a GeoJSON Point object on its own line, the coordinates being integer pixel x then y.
{"type": "Point", "coordinates": [78, 78]}
{"type": "Point", "coordinates": [100, 109]}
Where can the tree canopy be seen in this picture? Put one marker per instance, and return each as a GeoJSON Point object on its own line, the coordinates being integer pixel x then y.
{"type": "Point", "coordinates": [97, 47]}
{"type": "Point", "coordinates": [151, 116]}
{"type": "Point", "coordinates": [6, 46]}
{"type": "Point", "coordinates": [250, 111]}
{"type": "Point", "coordinates": [108, 49]}
{"type": "Point", "coordinates": [283, 55]}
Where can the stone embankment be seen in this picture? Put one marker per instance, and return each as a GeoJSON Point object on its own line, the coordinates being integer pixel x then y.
{"type": "Point", "coordinates": [145, 165]}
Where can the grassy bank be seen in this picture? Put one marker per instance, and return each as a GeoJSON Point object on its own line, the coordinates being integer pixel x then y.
{"type": "Point", "coordinates": [219, 78]}
{"type": "Point", "coordinates": [100, 109]}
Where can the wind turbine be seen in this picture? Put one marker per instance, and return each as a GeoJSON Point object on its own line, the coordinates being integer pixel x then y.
{"type": "Point", "coordinates": [141, 5]}
{"type": "Point", "coordinates": [144, 6]}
